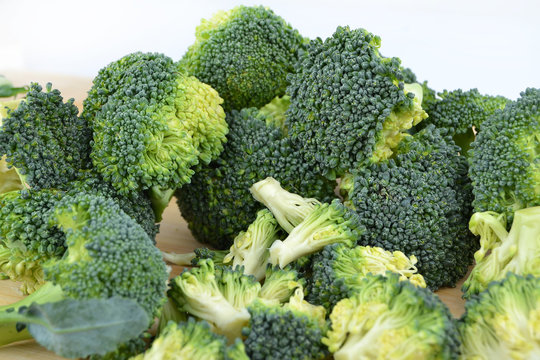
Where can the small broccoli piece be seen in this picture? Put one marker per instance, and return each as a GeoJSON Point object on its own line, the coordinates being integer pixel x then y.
{"type": "Point", "coordinates": [338, 271]}
{"type": "Point", "coordinates": [290, 331]}
{"type": "Point", "coordinates": [217, 204]}
{"type": "Point", "coordinates": [151, 124]}
{"type": "Point", "coordinates": [419, 203]}
{"type": "Point", "coordinates": [349, 105]}
{"type": "Point", "coordinates": [9, 178]}
{"type": "Point", "coordinates": [244, 53]}
{"type": "Point", "coordinates": [125, 351]}
{"type": "Point", "coordinates": [45, 140]}
{"type": "Point", "coordinates": [280, 284]}
{"type": "Point", "coordinates": [327, 224]}
{"type": "Point", "coordinates": [288, 208]}
{"type": "Point", "coordinates": [389, 319]}
{"type": "Point", "coordinates": [501, 252]}
{"type": "Point", "coordinates": [503, 321]}
{"type": "Point", "coordinates": [236, 351]}
{"type": "Point", "coordinates": [8, 90]}
{"type": "Point", "coordinates": [504, 158]}
{"type": "Point", "coordinates": [215, 295]}
{"type": "Point", "coordinates": [186, 340]}
{"type": "Point", "coordinates": [250, 247]}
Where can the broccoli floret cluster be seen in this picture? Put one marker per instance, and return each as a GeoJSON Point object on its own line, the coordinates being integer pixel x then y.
{"type": "Point", "coordinates": [245, 54]}
{"type": "Point", "coordinates": [217, 204]}
{"type": "Point", "coordinates": [349, 105]}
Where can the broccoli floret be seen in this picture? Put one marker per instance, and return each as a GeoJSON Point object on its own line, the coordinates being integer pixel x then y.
{"type": "Point", "coordinates": [290, 331]}
{"type": "Point", "coordinates": [419, 203]}
{"type": "Point", "coordinates": [151, 124]}
{"type": "Point", "coordinates": [217, 204]}
{"type": "Point", "coordinates": [459, 111]}
{"type": "Point", "coordinates": [280, 284]}
{"type": "Point", "coordinates": [349, 105]}
{"type": "Point", "coordinates": [186, 340]}
{"type": "Point", "coordinates": [501, 252]}
{"type": "Point", "coordinates": [236, 351]}
{"type": "Point", "coordinates": [275, 111]}
{"type": "Point", "coordinates": [45, 140]}
{"type": "Point", "coordinates": [504, 158]}
{"type": "Point", "coordinates": [244, 53]}
{"type": "Point", "coordinates": [389, 319]}
{"type": "Point", "coordinates": [250, 247]}
{"type": "Point", "coordinates": [288, 208]}
{"type": "Point", "coordinates": [338, 271]}
{"type": "Point", "coordinates": [9, 178]}
{"type": "Point", "coordinates": [429, 96]}
{"type": "Point", "coordinates": [503, 321]}
{"type": "Point", "coordinates": [327, 224]}
{"type": "Point", "coordinates": [217, 295]}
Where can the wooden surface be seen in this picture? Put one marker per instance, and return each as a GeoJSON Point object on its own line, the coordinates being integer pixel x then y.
{"type": "Point", "coordinates": [174, 235]}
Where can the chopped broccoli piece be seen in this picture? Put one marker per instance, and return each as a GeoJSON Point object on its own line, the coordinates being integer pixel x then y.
{"type": "Point", "coordinates": [290, 331]}
{"type": "Point", "coordinates": [280, 284]}
{"type": "Point", "coordinates": [217, 204]}
{"type": "Point", "coordinates": [236, 351]}
{"type": "Point", "coordinates": [349, 105]}
{"type": "Point", "coordinates": [244, 53]}
{"type": "Point", "coordinates": [503, 321]}
{"type": "Point", "coordinates": [501, 252]}
{"type": "Point", "coordinates": [338, 271]}
{"type": "Point", "coordinates": [504, 160]}
{"type": "Point", "coordinates": [327, 224]}
{"type": "Point", "coordinates": [390, 319]}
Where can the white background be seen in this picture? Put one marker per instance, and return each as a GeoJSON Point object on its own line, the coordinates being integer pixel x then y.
{"type": "Point", "coordinates": [491, 45]}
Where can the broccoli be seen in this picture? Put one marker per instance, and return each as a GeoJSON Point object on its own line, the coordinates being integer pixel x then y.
{"type": "Point", "coordinates": [217, 205]}
{"type": "Point", "coordinates": [327, 224]}
{"type": "Point", "coordinates": [245, 54]}
{"type": "Point", "coordinates": [290, 331]}
{"type": "Point", "coordinates": [349, 105]}
{"type": "Point", "coordinates": [501, 252]}
{"type": "Point", "coordinates": [193, 258]}
{"type": "Point", "coordinates": [152, 124]}
{"type": "Point", "coordinates": [8, 90]}
{"type": "Point", "coordinates": [280, 284]}
{"type": "Point", "coordinates": [236, 351]}
{"type": "Point", "coordinates": [9, 178]}
{"type": "Point", "coordinates": [504, 158]}
{"type": "Point", "coordinates": [502, 322]}
{"type": "Point", "coordinates": [389, 319]}
{"type": "Point", "coordinates": [338, 271]}
{"type": "Point", "coordinates": [288, 208]}
{"type": "Point", "coordinates": [217, 295]}
{"type": "Point", "coordinates": [418, 203]}
{"type": "Point", "coordinates": [186, 340]}
{"type": "Point", "coordinates": [429, 96]}
{"type": "Point", "coordinates": [45, 140]}
{"type": "Point", "coordinates": [459, 111]}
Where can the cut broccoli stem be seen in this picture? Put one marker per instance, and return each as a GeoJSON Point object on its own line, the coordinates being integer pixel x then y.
{"type": "Point", "coordinates": [179, 259]}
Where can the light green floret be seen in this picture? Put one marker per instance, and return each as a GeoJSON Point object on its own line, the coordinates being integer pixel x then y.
{"type": "Point", "coordinates": [9, 178]}
{"type": "Point", "coordinates": [502, 251]}
{"type": "Point", "coordinates": [236, 351]}
{"type": "Point", "coordinates": [280, 284]}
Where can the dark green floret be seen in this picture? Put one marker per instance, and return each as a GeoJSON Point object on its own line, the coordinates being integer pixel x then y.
{"type": "Point", "coordinates": [504, 159]}
{"type": "Point", "coordinates": [45, 140]}
{"type": "Point", "coordinates": [349, 105]}
{"type": "Point", "coordinates": [245, 54]}
{"type": "Point", "coordinates": [217, 204]}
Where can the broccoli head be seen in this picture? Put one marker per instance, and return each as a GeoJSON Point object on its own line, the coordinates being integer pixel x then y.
{"type": "Point", "coordinates": [504, 158]}
{"type": "Point", "coordinates": [245, 54]}
{"type": "Point", "coordinates": [503, 322]}
{"type": "Point", "coordinates": [217, 204]}
{"type": "Point", "coordinates": [285, 331]}
{"type": "Point", "coordinates": [516, 251]}
{"type": "Point", "coordinates": [338, 271]}
{"type": "Point", "coordinates": [391, 319]}
{"type": "Point", "coordinates": [349, 104]}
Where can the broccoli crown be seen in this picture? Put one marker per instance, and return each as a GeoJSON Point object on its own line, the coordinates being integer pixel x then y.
{"type": "Point", "coordinates": [151, 123]}
{"type": "Point", "coordinates": [45, 140]}
{"type": "Point", "coordinates": [419, 203]}
{"type": "Point", "coordinates": [280, 284]}
{"type": "Point", "coordinates": [390, 319]}
{"type": "Point", "coordinates": [501, 252]}
{"type": "Point", "coordinates": [338, 271]}
{"type": "Point", "coordinates": [217, 204]}
{"type": "Point", "coordinates": [289, 331]}
{"type": "Point", "coordinates": [27, 239]}
{"type": "Point", "coordinates": [190, 340]}
{"type": "Point", "coordinates": [245, 54]}
{"type": "Point", "coordinates": [217, 256]}
{"type": "Point", "coordinates": [327, 224]}
{"type": "Point", "coordinates": [342, 88]}
{"type": "Point", "coordinates": [108, 254]}
{"type": "Point", "coordinates": [503, 321]}
{"type": "Point", "coordinates": [504, 159]}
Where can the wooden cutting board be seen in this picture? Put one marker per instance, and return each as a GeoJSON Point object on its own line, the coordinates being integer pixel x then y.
{"type": "Point", "coordinates": [174, 235]}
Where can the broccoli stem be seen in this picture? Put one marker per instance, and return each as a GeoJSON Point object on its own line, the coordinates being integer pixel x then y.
{"type": "Point", "coordinates": [179, 259]}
